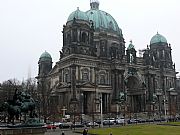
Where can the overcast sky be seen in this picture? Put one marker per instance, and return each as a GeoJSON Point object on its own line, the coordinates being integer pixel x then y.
{"type": "Point", "coordinates": [29, 27]}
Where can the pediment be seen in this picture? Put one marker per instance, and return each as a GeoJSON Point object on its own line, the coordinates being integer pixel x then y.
{"type": "Point", "coordinates": [86, 85]}
{"type": "Point", "coordinates": [63, 85]}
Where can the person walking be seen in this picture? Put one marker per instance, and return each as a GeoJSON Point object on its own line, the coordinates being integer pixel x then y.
{"type": "Point", "coordinates": [85, 131]}
{"type": "Point", "coordinates": [63, 133]}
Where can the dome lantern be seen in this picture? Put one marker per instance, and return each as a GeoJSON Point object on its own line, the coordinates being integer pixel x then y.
{"type": "Point", "coordinates": [94, 4]}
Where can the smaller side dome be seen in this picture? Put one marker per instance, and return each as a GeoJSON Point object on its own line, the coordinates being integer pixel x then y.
{"type": "Point", "coordinates": [45, 56]}
{"type": "Point", "coordinates": [79, 15]}
{"type": "Point", "coordinates": [158, 38]}
{"type": "Point", "coordinates": [131, 46]}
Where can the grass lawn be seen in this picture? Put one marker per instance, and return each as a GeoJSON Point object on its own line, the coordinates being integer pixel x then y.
{"type": "Point", "coordinates": [151, 129]}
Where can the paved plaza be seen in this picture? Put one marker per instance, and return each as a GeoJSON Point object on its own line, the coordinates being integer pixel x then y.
{"type": "Point", "coordinates": [59, 132]}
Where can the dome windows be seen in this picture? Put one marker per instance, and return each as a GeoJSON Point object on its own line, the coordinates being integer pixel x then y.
{"type": "Point", "coordinates": [84, 37]}
{"type": "Point", "coordinates": [158, 38]}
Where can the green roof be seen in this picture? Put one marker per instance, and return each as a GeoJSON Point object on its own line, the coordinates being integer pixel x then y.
{"type": "Point", "coordinates": [79, 15]}
{"type": "Point", "coordinates": [103, 21]}
{"type": "Point", "coordinates": [158, 39]}
{"type": "Point", "coordinates": [45, 56]}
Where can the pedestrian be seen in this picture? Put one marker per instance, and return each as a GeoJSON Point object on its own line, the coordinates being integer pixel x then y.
{"type": "Point", "coordinates": [63, 133]}
{"type": "Point", "coordinates": [85, 131]}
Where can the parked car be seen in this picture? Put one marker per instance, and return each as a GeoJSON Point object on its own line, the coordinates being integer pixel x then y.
{"type": "Point", "coordinates": [50, 126]}
{"type": "Point", "coordinates": [149, 120]}
{"type": "Point", "coordinates": [132, 121]}
{"type": "Point", "coordinates": [57, 124]}
{"type": "Point", "coordinates": [77, 125]}
{"type": "Point", "coordinates": [120, 121]}
{"type": "Point", "coordinates": [141, 120]}
{"type": "Point", "coordinates": [110, 121]}
{"type": "Point", "coordinates": [65, 125]}
{"type": "Point", "coordinates": [91, 124]}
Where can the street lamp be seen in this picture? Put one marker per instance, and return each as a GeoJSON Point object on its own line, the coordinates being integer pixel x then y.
{"type": "Point", "coordinates": [117, 109]}
{"type": "Point", "coordinates": [101, 115]}
{"type": "Point", "coordinates": [73, 107]}
{"type": "Point", "coordinates": [82, 103]}
{"type": "Point", "coordinates": [165, 111]}
{"type": "Point", "coordinates": [122, 100]}
{"type": "Point", "coordinates": [169, 102]}
{"type": "Point", "coordinates": [98, 101]}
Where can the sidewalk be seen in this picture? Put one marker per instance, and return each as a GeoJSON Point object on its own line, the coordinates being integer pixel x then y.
{"type": "Point", "coordinates": [59, 131]}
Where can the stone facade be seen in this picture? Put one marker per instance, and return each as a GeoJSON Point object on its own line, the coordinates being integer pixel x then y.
{"type": "Point", "coordinates": [94, 66]}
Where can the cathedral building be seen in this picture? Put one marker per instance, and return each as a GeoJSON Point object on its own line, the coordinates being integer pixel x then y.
{"type": "Point", "coordinates": [97, 72]}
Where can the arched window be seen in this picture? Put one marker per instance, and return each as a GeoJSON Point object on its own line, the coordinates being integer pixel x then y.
{"type": "Point", "coordinates": [74, 35]}
{"type": "Point", "coordinates": [66, 76]}
{"type": "Point", "coordinates": [85, 75]}
{"type": "Point", "coordinates": [84, 37]}
{"type": "Point", "coordinates": [68, 38]}
{"type": "Point", "coordinates": [102, 79]}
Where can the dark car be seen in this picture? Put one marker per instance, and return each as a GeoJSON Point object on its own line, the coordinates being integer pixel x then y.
{"type": "Point", "coordinates": [77, 125]}
{"type": "Point", "coordinates": [108, 122]}
{"type": "Point", "coordinates": [65, 125]}
{"type": "Point", "coordinates": [132, 121]}
{"type": "Point", "coordinates": [149, 120]}
{"type": "Point", "coordinates": [141, 120]}
{"type": "Point", "coordinates": [92, 124]}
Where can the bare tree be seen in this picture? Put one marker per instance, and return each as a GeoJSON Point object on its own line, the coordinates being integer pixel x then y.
{"type": "Point", "coordinates": [30, 85]}
{"type": "Point", "coordinates": [8, 88]}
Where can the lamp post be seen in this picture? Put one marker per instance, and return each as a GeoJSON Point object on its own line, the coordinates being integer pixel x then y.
{"type": "Point", "coordinates": [122, 100]}
{"type": "Point", "coordinates": [164, 103]}
{"type": "Point", "coordinates": [73, 107]}
{"type": "Point", "coordinates": [117, 109]}
{"type": "Point", "coordinates": [63, 111]}
{"type": "Point", "coordinates": [82, 103]}
{"type": "Point", "coordinates": [169, 102]}
{"type": "Point", "coordinates": [101, 115]}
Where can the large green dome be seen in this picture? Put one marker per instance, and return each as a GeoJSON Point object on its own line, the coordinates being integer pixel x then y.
{"type": "Point", "coordinates": [158, 38]}
{"type": "Point", "coordinates": [79, 15]}
{"type": "Point", "coordinates": [102, 20]}
{"type": "Point", "coordinates": [45, 56]}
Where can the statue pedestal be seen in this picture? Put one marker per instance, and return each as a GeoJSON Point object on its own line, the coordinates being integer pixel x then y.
{"type": "Point", "coordinates": [22, 131]}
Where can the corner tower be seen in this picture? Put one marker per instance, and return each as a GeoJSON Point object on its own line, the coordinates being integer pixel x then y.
{"type": "Point", "coordinates": [159, 54]}
{"type": "Point", "coordinates": [45, 64]}
{"type": "Point", "coordinates": [78, 35]}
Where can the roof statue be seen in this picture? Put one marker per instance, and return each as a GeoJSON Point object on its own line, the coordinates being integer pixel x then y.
{"type": "Point", "coordinates": [131, 46]}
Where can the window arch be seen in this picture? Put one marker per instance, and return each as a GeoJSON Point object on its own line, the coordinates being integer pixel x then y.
{"type": "Point", "coordinates": [84, 37]}
{"type": "Point", "coordinates": [66, 76]}
{"type": "Point", "coordinates": [85, 75]}
{"type": "Point", "coordinates": [102, 79]}
{"type": "Point", "coordinates": [68, 38]}
{"type": "Point", "coordinates": [74, 35]}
